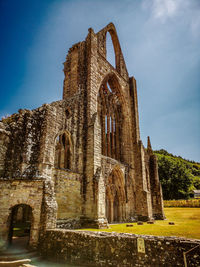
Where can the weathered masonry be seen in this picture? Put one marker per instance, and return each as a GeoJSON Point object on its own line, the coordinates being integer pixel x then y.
{"type": "Point", "coordinates": [119, 250]}
{"type": "Point", "coordinates": [79, 162]}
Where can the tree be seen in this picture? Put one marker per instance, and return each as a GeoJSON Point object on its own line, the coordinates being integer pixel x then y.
{"type": "Point", "coordinates": [175, 177]}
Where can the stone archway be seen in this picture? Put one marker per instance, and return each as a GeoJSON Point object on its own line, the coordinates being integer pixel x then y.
{"type": "Point", "coordinates": [115, 196]}
{"type": "Point", "coordinates": [20, 224]}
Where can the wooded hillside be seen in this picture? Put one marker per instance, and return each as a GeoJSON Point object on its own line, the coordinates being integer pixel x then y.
{"type": "Point", "coordinates": [178, 176]}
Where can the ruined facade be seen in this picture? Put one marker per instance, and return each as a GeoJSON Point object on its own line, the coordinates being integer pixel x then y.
{"type": "Point", "coordinates": [79, 162]}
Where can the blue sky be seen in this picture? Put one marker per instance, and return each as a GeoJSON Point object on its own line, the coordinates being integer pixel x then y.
{"type": "Point", "coordinates": [160, 40]}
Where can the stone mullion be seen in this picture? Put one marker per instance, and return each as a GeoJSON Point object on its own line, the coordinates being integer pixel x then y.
{"type": "Point", "coordinates": [103, 109]}
{"type": "Point", "coordinates": [59, 153]}
{"type": "Point", "coordinates": [103, 134]}
{"type": "Point", "coordinates": [113, 137]}
{"type": "Point", "coordinates": [111, 210]}
{"type": "Point", "coordinates": [108, 134]}
{"type": "Point", "coordinates": [117, 137]}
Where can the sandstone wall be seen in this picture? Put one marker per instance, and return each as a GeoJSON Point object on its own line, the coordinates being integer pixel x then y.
{"type": "Point", "coordinates": [23, 147]}
{"type": "Point", "coordinates": [20, 192]}
{"type": "Point", "coordinates": [118, 250]}
{"type": "Point", "coordinates": [94, 72]}
{"type": "Point", "coordinates": [29, 141]}
{"type": "Point", "coordinates": [68, 194]}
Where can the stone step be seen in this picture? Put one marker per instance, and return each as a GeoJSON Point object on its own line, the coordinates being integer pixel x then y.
{"type": "Point", "coordinates": [15, 255]}
{"type": "Point", "coordinates": [15, 263]}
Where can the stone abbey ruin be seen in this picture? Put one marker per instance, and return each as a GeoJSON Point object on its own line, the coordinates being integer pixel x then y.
{"type": "Point", "coordinates": [79, 162]}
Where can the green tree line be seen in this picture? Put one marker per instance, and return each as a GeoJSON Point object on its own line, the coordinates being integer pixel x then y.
{"type": "Point", "coordinates": [178, 176]}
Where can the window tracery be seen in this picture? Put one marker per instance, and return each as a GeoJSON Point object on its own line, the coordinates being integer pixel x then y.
{"type": "Point", "coordinates": [110, 114]}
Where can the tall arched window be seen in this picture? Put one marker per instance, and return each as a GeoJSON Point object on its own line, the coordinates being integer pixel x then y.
{"type": "Point", "coordinates": [110, 53]}
{"type": "Point", "coordinates": [110, 114]}
{"type": "Point", "coordinates": [63, 152]}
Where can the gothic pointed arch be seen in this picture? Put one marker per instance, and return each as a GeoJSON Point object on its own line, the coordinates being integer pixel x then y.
{"type": "Point", "coordinates": [115, 196]}
{"type": "Point", "coordinates": [110, 50]}
{"type": "Point", "coordinates": [63, 151]}
{"type": "Point", "coordinates": [120, 65]}
{"type": "Point", "coordinates": [111, 118]}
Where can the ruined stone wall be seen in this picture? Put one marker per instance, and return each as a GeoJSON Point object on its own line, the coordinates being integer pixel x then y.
{"type": "Point", "coordinates": [68, 194]}
{"type": "Point", "coordinates": [31, 143]}
{"type": "Point", "coordinates": [30, 151]}
{"type": "Point", "coordinates": [65, 116]}
{"type": "Point", "coordinates": [20, 192]}
{"type": "Point", "coordinates": [23, 148]}
{"type": "Point", "coordinates": [111, 249]}
{"type": "Point", "coordinates": [86, 71]}
{"type": "Point", "coordinates": [4, 140]}
{"type": "Point", "coordinates": [99, 71]}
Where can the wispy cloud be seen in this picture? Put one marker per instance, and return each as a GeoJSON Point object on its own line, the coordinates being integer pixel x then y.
{"type": "Point", "coordinates": [163, 9]}
{"type": "Point", "coordinates": [186, 11]}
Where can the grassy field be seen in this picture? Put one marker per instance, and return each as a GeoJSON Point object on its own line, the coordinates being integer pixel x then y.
{"type": "Point", "coordinates": [187, 224]}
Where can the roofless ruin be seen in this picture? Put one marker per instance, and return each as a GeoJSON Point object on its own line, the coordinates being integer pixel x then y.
{"type": "Point", "coordinates": [79, 162]}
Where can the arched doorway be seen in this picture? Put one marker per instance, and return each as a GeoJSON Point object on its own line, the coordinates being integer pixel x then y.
{"type": "Point", "coordinates": [115, 197]}
{"type": "Point", "coordinates": [20, 225]}
{"type": "Point", "coordinates": [116, 212]}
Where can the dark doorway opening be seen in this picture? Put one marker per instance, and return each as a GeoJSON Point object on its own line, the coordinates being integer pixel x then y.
{"type": "Point", "coordinates": [116, 214]}
{"type": "Point", "coordinates": [20, 225]}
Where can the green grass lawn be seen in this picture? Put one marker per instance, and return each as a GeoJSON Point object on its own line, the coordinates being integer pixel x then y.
{"type": "Point", "coordinates": [187, 224]}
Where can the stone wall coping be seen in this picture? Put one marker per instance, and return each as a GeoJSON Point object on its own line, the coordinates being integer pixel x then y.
{"type": "Point", "coordinates": [126, 235]}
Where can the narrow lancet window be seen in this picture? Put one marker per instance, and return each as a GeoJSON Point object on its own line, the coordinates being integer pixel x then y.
{"type": "Point", "coordinates": [63, 152]}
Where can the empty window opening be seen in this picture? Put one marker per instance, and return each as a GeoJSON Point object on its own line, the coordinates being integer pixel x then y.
{"type": "Point", "coordinates": [110, 53]}
{"type": "Point", "coordinates": [109, 89]}
{"type": "Point", "coordinates": [106, 129]}
{"type": "Point", "coordinates": [63, 152]}
{"type": "Point", "coordinates": [110, 115]}
{"type": "Point", "coordinates": [114, 127]}
{"type": "Point", "coordinates": [67, 113]}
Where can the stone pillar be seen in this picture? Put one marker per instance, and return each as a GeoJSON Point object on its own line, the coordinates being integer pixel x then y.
{"type": "Point", "coordinates": [108, 136]}
{"type": "Point", "coordinates": [94, 188]}
{"type": "Point", "coordinates": [156, 189]}
{"type": "Point", "coordinates": [143, 200]}
{"type": "Point", "coordinates": [49, 208]}
{"type": "Point", "coordinates": [103, 135]}
{"type": "Point", "coordinates": [113, 139]}
{"type": "Point", "coordinates": [134, 108]}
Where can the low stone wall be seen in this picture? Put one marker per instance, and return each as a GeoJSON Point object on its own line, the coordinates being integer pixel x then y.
{"type": "Point", "coordinates": [112, 249]}
{"type": "Point", "coordinates": [69, 224]}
